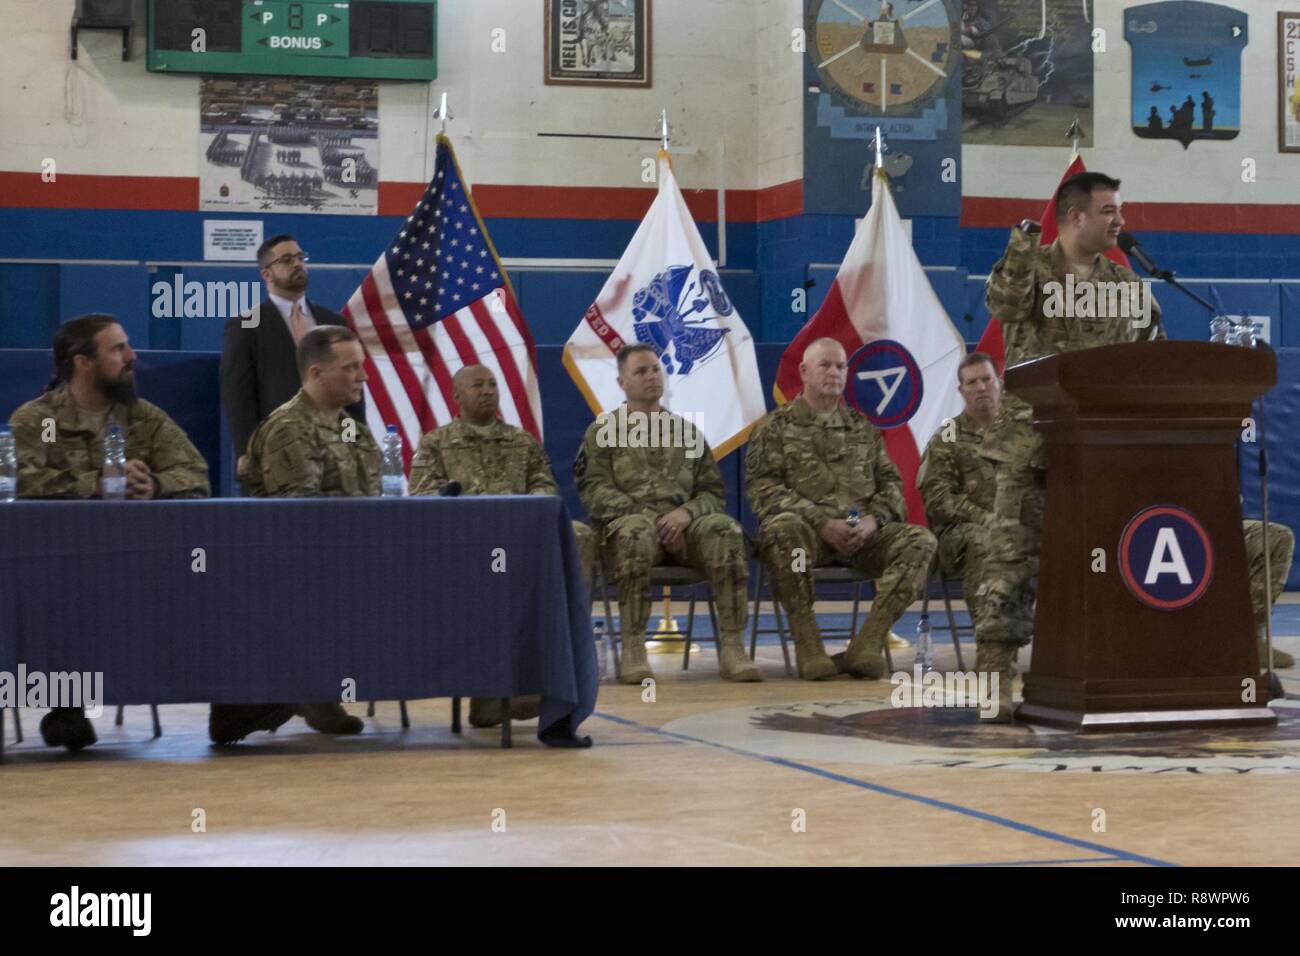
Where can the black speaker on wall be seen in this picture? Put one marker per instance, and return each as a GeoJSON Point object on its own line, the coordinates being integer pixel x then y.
{"type": "Point", "coordinates": [104, 15]}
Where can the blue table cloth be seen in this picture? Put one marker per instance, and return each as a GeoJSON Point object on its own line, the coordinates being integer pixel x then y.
{"type": "Point", "coordinates": [260, 600]}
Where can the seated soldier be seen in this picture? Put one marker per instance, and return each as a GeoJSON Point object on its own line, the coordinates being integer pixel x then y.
{"type": "Point", "coordinates": [825, 491]}
{"type": "Point", "coordinates": [1281, 548]}
{"type": "Point", "coordinates": [309, 447]}
{"type": "Point", "coordinates": [651, 500]}
{"type": "Point", "coordinates": [60, 446]}
{"type": "Point", "coordinates": [957, 482]}
{"type": "Point", "coordinates": [485, 456]}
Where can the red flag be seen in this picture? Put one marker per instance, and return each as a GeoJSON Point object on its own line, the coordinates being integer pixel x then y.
{"type": "Point", "coordinates": [882, 293]}
{"type": "Point", "coordinates": [991, 343]}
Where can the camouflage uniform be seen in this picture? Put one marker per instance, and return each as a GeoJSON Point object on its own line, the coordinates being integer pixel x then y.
{"type": "Point", "coordinates": [68, 466]}
{"type": "Point", "coordinates": [957, 485]}
{"type": "Point", "coordinates": [625, 489]}
{"type": "Point", "coordinates": [301, 452]}
{"type": "Point", "coordinates": [1281, 546]}
{"type": "Point", "coordinates": [1015, 294]}
{"type": "Point", "coordinates": [495, 459]}
{"type": "Point", "coordinates": [804, 469]}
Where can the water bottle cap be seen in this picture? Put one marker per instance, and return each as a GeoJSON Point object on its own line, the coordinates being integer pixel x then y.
{"type": "Point", "coordinates": [392, 429]}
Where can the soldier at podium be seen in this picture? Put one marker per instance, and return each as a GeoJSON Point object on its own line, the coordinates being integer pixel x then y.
{"type": "Point", "coordinates": [1049, 299]}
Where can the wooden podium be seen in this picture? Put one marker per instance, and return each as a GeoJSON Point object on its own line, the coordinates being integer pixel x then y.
{"type": "Point", "coordinates": [1141, 464]}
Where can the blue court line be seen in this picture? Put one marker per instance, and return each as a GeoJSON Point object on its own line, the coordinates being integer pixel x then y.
{"type": "Point", "coordinates": [1116, 855]}
{"type": "Point", "coordinates": [1082, 859]}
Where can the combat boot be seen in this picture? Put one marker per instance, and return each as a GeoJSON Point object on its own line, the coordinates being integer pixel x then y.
{"type": "Point", "coordinates": [330, 718]}
{"type": "Point", "coordinates": [733, 662]}
{"type": "Point", "coordinates": [230, 723]}
{"type": "Point", "coordinates": [809, 651]}
{"type": "Point", "coordinates": [67, 727]}
{"type": "Point", "coordinates": [865, 655]}
{"type": "Point", "coordinates": [634, 666]}
{"type": "Point", "coordinates": [1281, 659]}
{"type": "Point", "coordinates": [998, 659]}
{"type": "Point", "coordinates": [486, 711]}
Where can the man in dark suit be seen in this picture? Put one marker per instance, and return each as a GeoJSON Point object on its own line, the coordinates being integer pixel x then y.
{"type": "Point", "coordinates": [259, 371]}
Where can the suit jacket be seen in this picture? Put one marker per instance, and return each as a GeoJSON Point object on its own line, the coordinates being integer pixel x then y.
{"type": "Point", "coordinates": [259, 369]}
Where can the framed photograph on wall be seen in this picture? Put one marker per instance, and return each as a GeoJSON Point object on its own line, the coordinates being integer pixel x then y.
{"type": "Point", "coordinates": [598, 42]}
{"type": "Point", "coordinates": [1288, 72]}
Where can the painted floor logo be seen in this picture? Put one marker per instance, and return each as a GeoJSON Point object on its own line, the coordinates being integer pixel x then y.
{"type": "Point", "coordinates": [874, 732]}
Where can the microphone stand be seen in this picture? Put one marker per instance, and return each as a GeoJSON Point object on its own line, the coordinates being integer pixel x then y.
{"type": "Point", "coordinates": [1275, 689]}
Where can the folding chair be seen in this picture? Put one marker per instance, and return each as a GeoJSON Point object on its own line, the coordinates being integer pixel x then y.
{"type": "Point", "coordinates": [506, 737]}
{"type": "Point", "coordinates": [661, 576]}
{"type": "Point", "coordinates": [406, 721]}
{"type": "Point", "coordinates": [153, 712]}
{"type": "Point", "coordinates": [827, 574]}
{"type": "Point", "coordinates": [953, 627]}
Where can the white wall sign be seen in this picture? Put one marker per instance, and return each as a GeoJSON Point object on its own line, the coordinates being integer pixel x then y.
{"type": "Point", "coordinates": [231, 240]}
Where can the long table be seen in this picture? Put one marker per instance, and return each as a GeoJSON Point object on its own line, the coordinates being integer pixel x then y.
{"type": "Point", "coordinates": [263, 600]}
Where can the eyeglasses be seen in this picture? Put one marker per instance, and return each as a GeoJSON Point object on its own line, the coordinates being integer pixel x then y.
{"type": "Point", "coordinates": [289, 258]}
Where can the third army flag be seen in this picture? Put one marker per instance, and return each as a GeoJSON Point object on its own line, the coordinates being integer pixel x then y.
{"type": "Point", "coordinates": [665, 292]}
{"type": "Point", "coordinates": [903, 349]}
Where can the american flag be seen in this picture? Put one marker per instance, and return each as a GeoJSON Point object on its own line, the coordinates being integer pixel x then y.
{"type": "Point", "coordinates": [436, 300]}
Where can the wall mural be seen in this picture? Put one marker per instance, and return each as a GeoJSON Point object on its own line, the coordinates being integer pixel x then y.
{"type": "Point", "coordinates": [1027, 71]}
{"type": "Point", "coordinates": [1186, 70]}
{"type": "Point", "coordinates": [896, 65]}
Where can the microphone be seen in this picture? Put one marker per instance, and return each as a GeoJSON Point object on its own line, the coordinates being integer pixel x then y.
{"type": "Point", "coordinates": [450, 490]}
{"type": "Point", "coordinates": [1133, 249]}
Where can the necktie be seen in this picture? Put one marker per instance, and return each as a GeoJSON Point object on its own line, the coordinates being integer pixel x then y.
{"type": "Point", "coordinates": [298, 323]}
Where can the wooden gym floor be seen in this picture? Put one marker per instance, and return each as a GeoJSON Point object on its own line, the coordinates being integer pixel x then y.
{"type": "Point", "coordinates": [646, 794]}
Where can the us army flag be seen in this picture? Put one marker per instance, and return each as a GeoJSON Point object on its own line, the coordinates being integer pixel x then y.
{"type": "Point", "coordinates": [903, 349]}
{"type": "Point", "coordinates": [665, 292]}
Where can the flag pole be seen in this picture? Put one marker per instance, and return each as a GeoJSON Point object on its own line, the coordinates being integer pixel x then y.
{"type": "Point", "coordinates": [878, 143]}
{"type": "Point", "coordinates": [668, 626]}
{"type": "Point", "coordinates": [443, 113]}
{"type": "Point", "coordinates": [1074, 134]}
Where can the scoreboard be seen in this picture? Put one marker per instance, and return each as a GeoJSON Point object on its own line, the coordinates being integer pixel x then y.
{"type": "Point", "coordinates": [363, 39]}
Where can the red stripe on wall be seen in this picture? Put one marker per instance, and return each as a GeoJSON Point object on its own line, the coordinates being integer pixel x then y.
{"type": "Point", "coordinates": [991, 212]}
{"type": "Point", "coordinates": [73, 191]}
{"type": "Point", "coordinates": [20, 190]}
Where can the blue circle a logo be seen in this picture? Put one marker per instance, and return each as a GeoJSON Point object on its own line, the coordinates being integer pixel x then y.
{"type": "Point", "coordinates": [884, 383]}
{"type": "Point", "coordinates": [1166, 558]}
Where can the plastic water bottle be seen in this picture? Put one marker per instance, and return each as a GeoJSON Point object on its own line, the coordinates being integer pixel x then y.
{"type": "Point", "coordinates": [602, 652]}
{"type": "Point", "coordinates": [854, 515]}
{"type": "Point", "coordinates": [394, 472]}
{"type": "Point", "coordinates": [113, 474]}
{"type": "Point", "coordinates": [924, 645]}
{"type": "Point", "coordinates": [8, 465]}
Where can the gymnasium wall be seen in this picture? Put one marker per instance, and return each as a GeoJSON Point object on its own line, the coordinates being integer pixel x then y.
{"type": "Point", "coordinates": [122, 215]}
